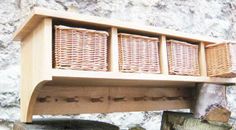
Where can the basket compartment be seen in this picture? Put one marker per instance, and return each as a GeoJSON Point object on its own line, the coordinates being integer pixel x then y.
{"type": "Point", "coordinates": [221, 60]}
{"type": "Point", "coordinates": [80, 49]}
{"type": "Point", "coordinates": [138, 53]}
{"type": "Point", "coordinates": [182, 58]}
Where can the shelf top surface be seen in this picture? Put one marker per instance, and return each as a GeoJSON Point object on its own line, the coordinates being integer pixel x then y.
{"type": "Point", "coordinates": [39, 13]}
{"type": "Point", "coordinates": [131, 79]}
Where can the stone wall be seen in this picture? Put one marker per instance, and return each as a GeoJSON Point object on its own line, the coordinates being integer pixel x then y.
{"type": "Point", "coordinates": [216, 18]}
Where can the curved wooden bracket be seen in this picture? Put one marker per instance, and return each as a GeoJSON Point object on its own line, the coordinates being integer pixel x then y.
{"type": "Point", "coordinates": [27, 104]}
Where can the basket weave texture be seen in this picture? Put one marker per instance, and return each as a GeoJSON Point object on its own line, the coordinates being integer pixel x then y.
{"type": "Point", "coordinates": [182, 58]}
{"type": "Point", "coordinates": [221, 60]}
{"type": "Point", "coordinates": [138, 53]}
{"type": "Point", "coordinates": [80, 49]}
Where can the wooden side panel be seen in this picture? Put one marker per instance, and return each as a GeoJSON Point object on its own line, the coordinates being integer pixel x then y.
{"type": "Point", "coordinates": [26, 75]}
{"type": "Point", "coordinates": [35, 65]}
{"type": "Point", "coordinates": [42, 51]}
{"type": "Point", "coordinates": [76, 100]}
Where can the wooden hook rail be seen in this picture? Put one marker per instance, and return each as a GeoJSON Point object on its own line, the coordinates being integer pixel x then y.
{"type": "Point", "coordinates": [75, 99]}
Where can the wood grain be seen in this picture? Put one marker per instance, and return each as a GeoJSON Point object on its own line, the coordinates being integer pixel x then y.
{"type": "Point", "coordinates": [163, 56]}
{"type": "Point", "coordinates": [202, 59]}
{"type": "Point", "coordinates": [90, 99]}
{"type": "Point", "coordinates": [103, 22]}
{"type": "Point", "coordinates": [36, 63]}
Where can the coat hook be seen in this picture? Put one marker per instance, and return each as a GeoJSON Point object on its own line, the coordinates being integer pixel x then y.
{"type": "Point", "coordinates": [72, 99]}
{"type": "Point", "coordinates": [119, 99]}
{"type": "Point", "coordinates": [156, 98]}
{"type": "Point", "coordinates": [143, 98]}
{"type": "Point", "coordinates": [44, 99]}
{"type": "Point", "coordinates": [97, 99]}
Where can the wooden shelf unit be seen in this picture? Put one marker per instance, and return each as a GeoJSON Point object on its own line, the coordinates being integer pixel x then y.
{"type": "Point", "coordinates": [45, 90]}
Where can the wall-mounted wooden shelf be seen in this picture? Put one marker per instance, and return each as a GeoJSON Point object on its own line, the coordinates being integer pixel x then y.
{"type": "Point", "coordinates": [46, 90]}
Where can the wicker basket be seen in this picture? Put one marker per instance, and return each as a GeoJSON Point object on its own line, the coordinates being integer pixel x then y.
{"type": "Point", "coordinates": [80, 49]}
{"type": "Point", "coordinates": [138, 54]}
{"type": "Point", "coordinates": [221, 60]}
{"type": "Point", "coordinates": [182, 58]}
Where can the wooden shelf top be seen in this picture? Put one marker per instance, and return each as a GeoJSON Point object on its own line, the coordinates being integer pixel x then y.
{"type": "Point", "coordinates": [87, 78]}
{"type": "Point", "coordinates": [39, 13]}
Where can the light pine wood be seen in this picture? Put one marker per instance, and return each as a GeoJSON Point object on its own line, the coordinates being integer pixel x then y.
{"type": "Point", "coordinates": [36, 65]}
{"type": "Point", "coordinates": [38, 74]}
{"type": "Point", "coordinates": [30, 23]}
{"type": "Point", "coordinates": [40, 13]}
{"type": "Point", "coordinates": [113, 52]}
{"type": "Point", "coordinates": [26, 77]}
{"type": "Point", "coordinates": [202, 59]}
{"type": "Point", "coordinates": [128, 78]}
{"type": "Point", "coordinates": [163, 56]}
{"type": "Point", "coordinates": [86, 99]}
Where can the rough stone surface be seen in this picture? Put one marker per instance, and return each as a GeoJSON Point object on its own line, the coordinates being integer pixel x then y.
{"type": "Point", "coordinates": [216, 18]}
